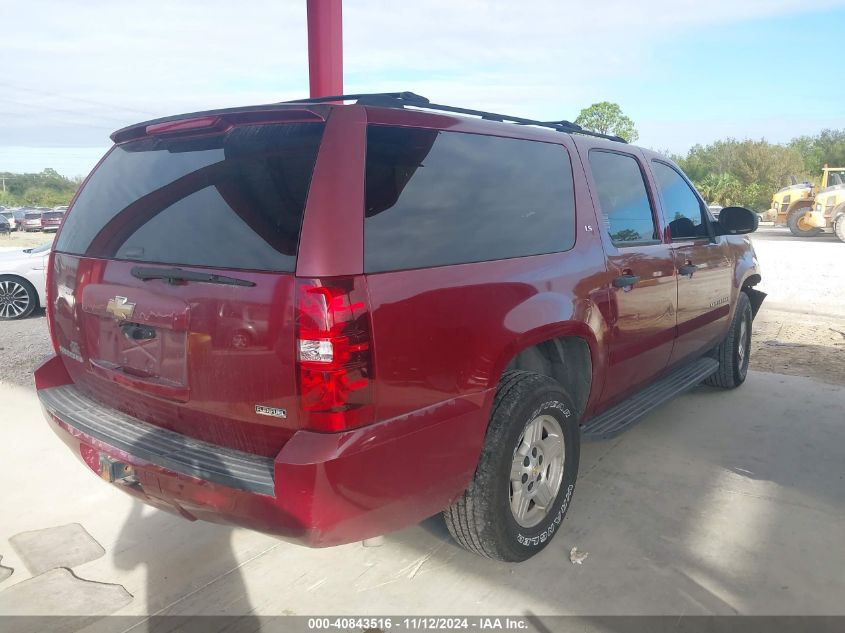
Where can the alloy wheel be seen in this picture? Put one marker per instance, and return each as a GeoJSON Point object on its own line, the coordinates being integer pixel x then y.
{"type": "Point", "coordinates": [536, 470]}
{"type": "Point", "coordinates": [14, 299]}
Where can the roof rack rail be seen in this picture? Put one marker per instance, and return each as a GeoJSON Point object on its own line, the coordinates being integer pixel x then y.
{"type": "Point", "coordinates": [402, 99]}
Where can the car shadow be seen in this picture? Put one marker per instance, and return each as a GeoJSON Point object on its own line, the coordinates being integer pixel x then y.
{"type": "Point", "coordinates": [179, 557]}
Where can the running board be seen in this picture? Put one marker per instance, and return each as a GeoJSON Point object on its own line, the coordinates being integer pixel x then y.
{"type": "Point", "coordinates": [628, 412]}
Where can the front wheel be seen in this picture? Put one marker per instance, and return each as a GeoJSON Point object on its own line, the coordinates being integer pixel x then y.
{"type": "Point", "coordinates": [18, 298]}
{"type": "Point", "coordinates": [734, 353]}
{"type": "Point", "coordinates": [798, 224]}
{"type": "Point", "coordinates": [526, 474]}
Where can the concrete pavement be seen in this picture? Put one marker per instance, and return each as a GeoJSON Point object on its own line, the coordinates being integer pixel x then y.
{"type": "Point", "coordinates": [717, 503]}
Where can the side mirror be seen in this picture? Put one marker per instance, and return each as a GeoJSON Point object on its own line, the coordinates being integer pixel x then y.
{"type": "Point", "coordinates": [736, 221]}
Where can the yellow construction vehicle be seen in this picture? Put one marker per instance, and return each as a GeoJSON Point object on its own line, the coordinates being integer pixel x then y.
{"type": "Point", "coordinates": [809, 210]}
{"type": "Point", "coordinates": [829, 207]}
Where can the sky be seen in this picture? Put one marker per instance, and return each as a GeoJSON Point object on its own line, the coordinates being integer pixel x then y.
{"type": "Point", "coordinates": [687, 72]}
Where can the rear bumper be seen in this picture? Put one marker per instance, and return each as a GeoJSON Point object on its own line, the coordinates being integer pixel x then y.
{"type": "Point", "coordinates": [321, 489]}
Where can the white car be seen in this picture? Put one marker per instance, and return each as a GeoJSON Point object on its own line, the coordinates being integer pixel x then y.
{"type": "Point", "coordinates": [10, 216]}
{"type": "Point", "coordinates": [23, 281]}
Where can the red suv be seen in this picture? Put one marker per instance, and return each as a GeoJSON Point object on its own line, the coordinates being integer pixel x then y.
{"type": "Point", "coordinates": [51, 220]}
{"type": "Point", "coordinates": [328, 321]}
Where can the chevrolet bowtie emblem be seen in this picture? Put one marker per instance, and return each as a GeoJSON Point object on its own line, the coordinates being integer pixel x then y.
{"type": "Point", "coordinates": [120, 308]}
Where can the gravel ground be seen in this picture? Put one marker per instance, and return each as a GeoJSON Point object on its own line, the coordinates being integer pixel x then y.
{"type": "Point", "coordinates": [800, 330]}
{"type": "Point", "coordinates": [23, 344]}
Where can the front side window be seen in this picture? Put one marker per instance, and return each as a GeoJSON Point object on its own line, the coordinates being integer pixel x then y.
{"type": "Point", "coordinates": [439, 198]}
{"type": "Point", "coordinates": [623, 198]}
{"type": "Point", "coordinates": [681, 207]}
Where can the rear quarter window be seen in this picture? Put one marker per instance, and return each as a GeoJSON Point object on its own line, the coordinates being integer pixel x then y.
{"type": "Point", "coordinates": [228, 201]}
{"type": "Point", "coordinates": [437, 198]}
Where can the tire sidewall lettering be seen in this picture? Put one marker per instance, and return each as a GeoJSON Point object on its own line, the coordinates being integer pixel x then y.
{"type": "Point", "coordinates": [546, 534]}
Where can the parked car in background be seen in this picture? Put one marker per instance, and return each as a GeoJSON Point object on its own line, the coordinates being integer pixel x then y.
{"type": "Point", "coordinates": [9, 214]}
{"type": "Point", "coordinates": [5, 228]}
{"type": "Point", "coordinates": [715, 209]}
{"type": "Point", "coordinates": [32, 220]}
{"type": "Point", "coordinates": [22, 281]}
{"type": "Point", "coordinates": [19, 214]}
{"type": "Point", "coordinates": [329, 322]}
{"type": "Point", "coordinates": [51, 220]}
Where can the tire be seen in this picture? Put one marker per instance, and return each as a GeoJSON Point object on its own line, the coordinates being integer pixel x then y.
{"type": "Point", "coordinates": [18, 298]}
{"type": "Point", "coordinates": [482, 520]}
{"type": "Point", "coordinates": [734, 352]}
{"type": "Point", "coordinates": [839, 227]}
{"type": "Point", "coordinates": [792, 221]}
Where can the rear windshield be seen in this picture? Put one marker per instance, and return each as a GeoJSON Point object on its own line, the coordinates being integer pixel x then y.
{"type": "Point", "coordinates": [52, 215]}
{"type": "Point", "coordinates": [32, 215]}
{"type": "Point", "coordinates": [228, 201]}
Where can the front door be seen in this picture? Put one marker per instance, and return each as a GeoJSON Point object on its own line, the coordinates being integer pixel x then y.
{"type": "Point", "coordinates": [641, 274]}
{"type": "Point", "coordinates": [704, 267]}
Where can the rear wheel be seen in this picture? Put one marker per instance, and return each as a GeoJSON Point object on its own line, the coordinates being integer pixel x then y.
{"type": "Point", "coordinates": [839, 227]}
{"type": "Point", "coordinates": [526, 474]}
{"type": "Point", "coordinates": [17, 298]}
{"type": "Point", "coordinates": [798, 226]}
{"type": "Point", "coordinates": [734, 353]}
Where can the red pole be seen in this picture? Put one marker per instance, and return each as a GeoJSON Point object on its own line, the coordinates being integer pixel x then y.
{"type": "Point", "coordinates": [325, 47]}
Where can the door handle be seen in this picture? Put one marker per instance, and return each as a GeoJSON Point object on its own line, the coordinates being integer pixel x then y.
{"type": "Point", "coordinates": [687, 269]}
{"type": "Point", "coordinates": [624, 281]}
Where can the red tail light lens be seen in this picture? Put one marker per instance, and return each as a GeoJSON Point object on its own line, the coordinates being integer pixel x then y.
{"type": "Point", "coordinates": [334, 354]}
{"type": "Point", "coordinates": [50, 297]}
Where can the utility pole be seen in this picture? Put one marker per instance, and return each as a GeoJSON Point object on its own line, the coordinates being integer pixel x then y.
{"type": "Point", "coordinates": [325, 47]}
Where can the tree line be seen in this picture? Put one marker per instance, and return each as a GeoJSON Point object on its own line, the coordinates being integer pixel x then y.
{"type": "Point", "coordinates": [746, 173]}
{"type": "Point", "coordinates": [46, 189]}
{"type": "Point", "coordinates": [733, 172]}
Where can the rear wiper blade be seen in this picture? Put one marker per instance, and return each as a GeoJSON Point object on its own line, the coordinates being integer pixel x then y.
{"type": "Point", "coordinates": [172, 275]}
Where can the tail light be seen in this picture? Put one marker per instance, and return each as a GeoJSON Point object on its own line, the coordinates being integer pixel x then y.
{"type": "Point", "coordinates": [49, 293]}
{"type": "Point", "coordinates": [334, 353]}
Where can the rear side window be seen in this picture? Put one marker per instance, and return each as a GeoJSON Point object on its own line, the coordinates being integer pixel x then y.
{"type": "Point", "coordinates": [438, 198]}
{"type": "Point", "coordinates": [681, 207]}
{"type": "Point", "coordinates": [623, 198]}
{"type": "Point", "coordinates": [228, 201]}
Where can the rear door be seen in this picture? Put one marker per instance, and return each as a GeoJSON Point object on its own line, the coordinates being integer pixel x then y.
{"type": "Point", "coordinates": [704, 267]}
{"type": "Point", "coordinates": [209, 350]}
{"type": "Point", "coordinates": [642, 281]}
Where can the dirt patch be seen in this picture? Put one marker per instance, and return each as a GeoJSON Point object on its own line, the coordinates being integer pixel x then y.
{"type": "Point", "coordinates": [799, 345]}
{"type": "Point", "coordinates": [19, 239]}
